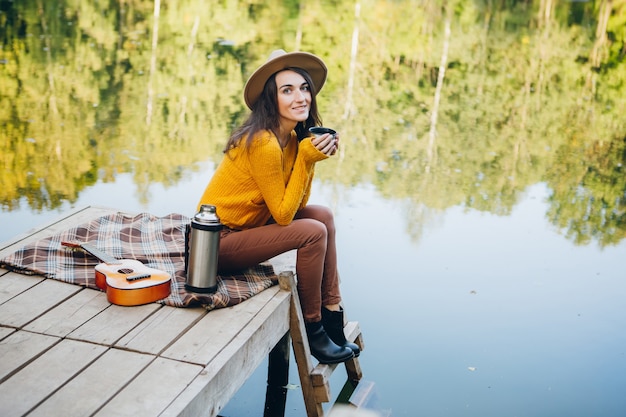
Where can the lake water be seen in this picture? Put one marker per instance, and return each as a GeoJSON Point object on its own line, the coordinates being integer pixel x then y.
{"type": "Point", "coordinates": [480, 211]}
{"type": "Point", "coordinates": [485, 315]}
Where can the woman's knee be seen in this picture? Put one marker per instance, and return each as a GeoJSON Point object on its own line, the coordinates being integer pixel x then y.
{"type": "Point", "coordinates": [312, 229]}
{"type": "Point", "coordinates": [320, 213]}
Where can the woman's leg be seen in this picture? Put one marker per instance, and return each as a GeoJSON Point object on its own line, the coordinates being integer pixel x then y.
{"type": "Point", "coordinates": [242, 249]}
{"type": "Point", "coordinates": [309, 236]}
{"type": "Point", "coordinates": [312, 233]}
{"type": "Point", "coordinates": [332, 313]}
{"type": "Point", "coordinates": [331, 294]}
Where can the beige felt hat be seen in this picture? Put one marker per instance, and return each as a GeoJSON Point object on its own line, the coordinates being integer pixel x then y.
{"type": "Point", "coordinates": [279, 60]}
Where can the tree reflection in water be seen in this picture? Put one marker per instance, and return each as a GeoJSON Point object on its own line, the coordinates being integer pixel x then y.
{"type": "Point", "coordinates": [93, 91]}
{"type": "Point", "coordinates": [128, 104]}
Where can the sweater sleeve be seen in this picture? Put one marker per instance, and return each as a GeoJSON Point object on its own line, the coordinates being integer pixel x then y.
{"type": "Point", "coordinates": [283, 198]}
{"type": "Point", "coordinates": [307, 191]}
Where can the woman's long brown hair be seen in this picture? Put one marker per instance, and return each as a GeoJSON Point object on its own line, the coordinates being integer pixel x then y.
{"type": "Point", "coordinates": [265, 116]}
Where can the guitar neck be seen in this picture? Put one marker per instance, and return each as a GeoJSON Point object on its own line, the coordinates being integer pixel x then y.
{"type": "Point", "coordinates": [103, 256]}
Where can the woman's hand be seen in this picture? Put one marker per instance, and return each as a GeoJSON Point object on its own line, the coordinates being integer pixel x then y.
{"type": "Point", "coordinates": [326, 143]}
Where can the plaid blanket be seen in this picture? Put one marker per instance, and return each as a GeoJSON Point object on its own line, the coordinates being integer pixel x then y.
{"type": "Point", "coordinates": [158, 242]}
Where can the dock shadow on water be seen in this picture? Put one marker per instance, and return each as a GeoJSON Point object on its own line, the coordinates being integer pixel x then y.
{"type": "Point", "coordinates": [479, 192]}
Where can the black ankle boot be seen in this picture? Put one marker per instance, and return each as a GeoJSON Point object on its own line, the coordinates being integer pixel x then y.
{"type": "Point", "coordinates": [322, 348]}
{"type": "Point", "coordinates": [333, 323]}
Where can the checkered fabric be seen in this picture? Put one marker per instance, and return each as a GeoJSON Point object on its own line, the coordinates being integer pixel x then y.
{"type": "Point", "coordinates": [158, 242]}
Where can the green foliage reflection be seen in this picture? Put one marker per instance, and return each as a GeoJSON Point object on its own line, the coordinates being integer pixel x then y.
{"type": "Point", "coordinates": [464, 104]}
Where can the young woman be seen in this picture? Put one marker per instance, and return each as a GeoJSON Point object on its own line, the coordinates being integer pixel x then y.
{"type": "Point", "coordinates": [262, 186]}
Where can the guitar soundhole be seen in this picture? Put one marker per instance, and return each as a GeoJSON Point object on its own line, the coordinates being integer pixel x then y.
{"type": "Point", "coordinates": [125, 271]}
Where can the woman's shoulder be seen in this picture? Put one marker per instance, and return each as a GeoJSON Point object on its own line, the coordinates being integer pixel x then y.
{"type": "Point", "coordinates": [263, 136]}
{"type": "Point", "coordinates": [264, 139]}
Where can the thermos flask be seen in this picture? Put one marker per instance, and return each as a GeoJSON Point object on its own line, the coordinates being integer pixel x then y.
{"type": "Point", "coordinates": [204, 241]}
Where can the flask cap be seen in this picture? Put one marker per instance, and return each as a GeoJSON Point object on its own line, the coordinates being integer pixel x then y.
{"type": "Point", "coordinates": [207, 215]}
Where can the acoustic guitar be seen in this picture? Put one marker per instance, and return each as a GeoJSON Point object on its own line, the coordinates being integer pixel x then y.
{"type": "Point", "coordinates": [127, 282]}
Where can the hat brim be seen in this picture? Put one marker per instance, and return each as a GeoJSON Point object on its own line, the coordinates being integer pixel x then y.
{"type": "Point", "coordinates": [313, 65]}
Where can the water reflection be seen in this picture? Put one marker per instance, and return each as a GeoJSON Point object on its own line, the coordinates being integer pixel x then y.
{"type": "Point", "coordinates": [92, 92]}
{"type": "Point", "coordinates": [479, 247]}
{"type": "Point", "coordinates": [486, 315]}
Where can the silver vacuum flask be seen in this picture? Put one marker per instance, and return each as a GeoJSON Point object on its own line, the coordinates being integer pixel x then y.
{"type": "Point", "coordinates": [204, 242]}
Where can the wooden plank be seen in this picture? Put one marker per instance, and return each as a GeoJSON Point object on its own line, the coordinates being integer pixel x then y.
{"type": "Point", "coordinates": [215, 330]}
{"type": "Point", "coordinates": [89, 390]}
{"type": "Point", "coordinates": [232, 366]}
{"type": "Point", "coordinates": [322, 373]}
{"type": "Point", "coordinates": [12, 284]}
{"type": "Point", "coordinates": [5, 331]}
{"type": "Point", "coordinates": [28, 387]}
{"type": "Point", "coordinates": [20, 348]}
{"type": "Point", "coordinates": [215, 352]}
{"type": "Point", "coordinates": [159, 330]}
{"type": "Point", "coordinates": [353, 366]}
{"type": "Point", "coordinates": [114, 322]}
{"type": "Point", "coordinates": [71, 314]}
{"type": "Point", "coordinates": [153, 389]}
{"type": "Point", "coordinates": [353, 333]}
{"type": "Point", "coordinates": [53, 227]}
{"type": "Point", "coordinates": [30, 304]}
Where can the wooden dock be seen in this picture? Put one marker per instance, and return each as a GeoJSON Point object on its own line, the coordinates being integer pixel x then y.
{"type": "Point", "coordinates": [65, 347]}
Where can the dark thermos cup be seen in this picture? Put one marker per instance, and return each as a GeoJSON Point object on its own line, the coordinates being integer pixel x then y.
{"type": "Point", "coordinates": [204, 242]}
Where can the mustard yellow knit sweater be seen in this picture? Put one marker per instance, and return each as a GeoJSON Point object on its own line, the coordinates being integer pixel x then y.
{"type": "Point", "coordinates": [250, 185]}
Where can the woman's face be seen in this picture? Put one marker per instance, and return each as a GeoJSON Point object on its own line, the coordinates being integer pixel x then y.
{"type": "Point", "coordinates": [294, 98]}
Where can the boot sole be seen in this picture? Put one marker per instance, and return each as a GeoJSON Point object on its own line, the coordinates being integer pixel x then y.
{"type": "Point", "coordinates": [336, 361]}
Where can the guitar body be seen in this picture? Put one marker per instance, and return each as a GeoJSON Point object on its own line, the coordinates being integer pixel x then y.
{"type": "Point", "coordinates": [127, 282]}
{"type": "Point", "coordinates": [132, 283]}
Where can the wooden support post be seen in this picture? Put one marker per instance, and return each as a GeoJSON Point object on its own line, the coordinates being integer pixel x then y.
{"type": "Point", "coordinates": [300, 343]}
{"type": "Point", "coordinates": [353, 333]}
{"type": "Point", "coordinates": [315, 380]}
{"type": "Point", "coordinates": [277, 379]}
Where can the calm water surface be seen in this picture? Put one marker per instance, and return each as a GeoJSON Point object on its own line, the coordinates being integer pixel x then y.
{"type": "Point", "coordinates": [480, 213]}
{"type": "Point", "coordinates": [485, 315]}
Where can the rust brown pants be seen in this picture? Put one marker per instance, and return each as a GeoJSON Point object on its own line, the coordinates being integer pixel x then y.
{"type": "Point", "coordinates": [312, 233]}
